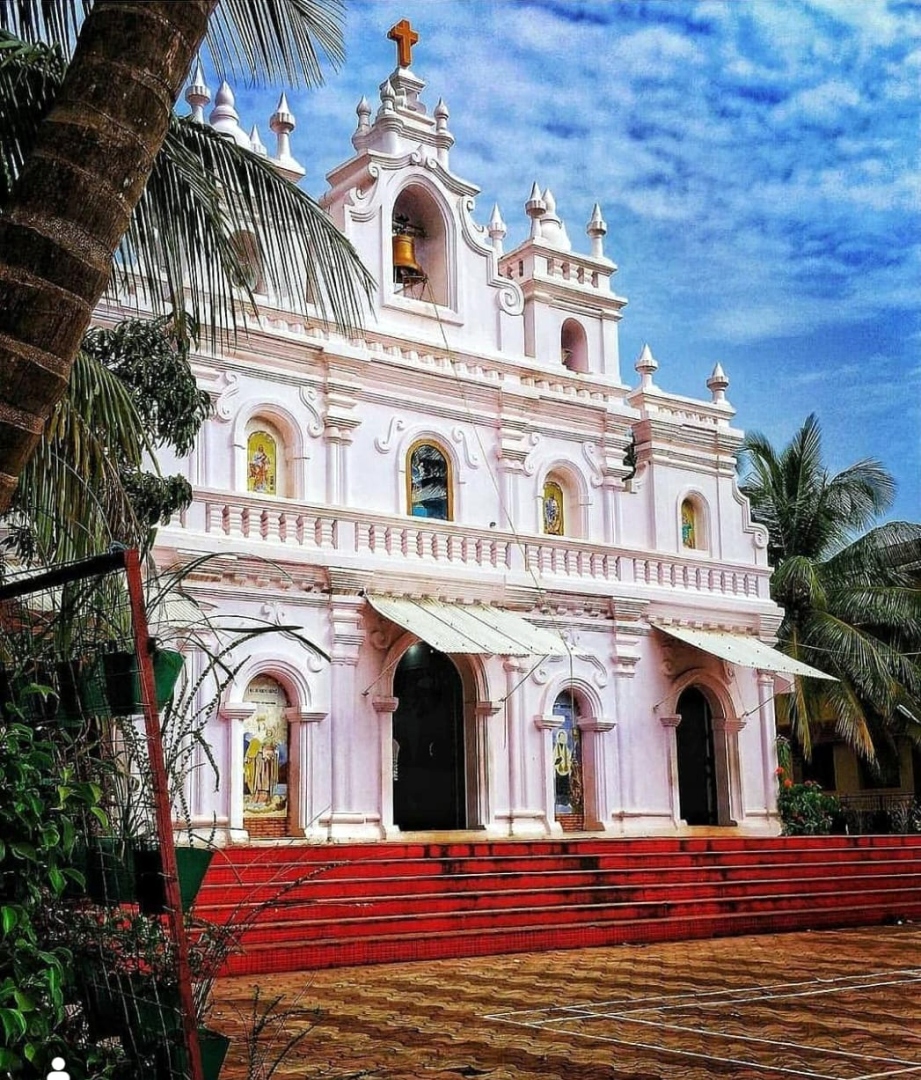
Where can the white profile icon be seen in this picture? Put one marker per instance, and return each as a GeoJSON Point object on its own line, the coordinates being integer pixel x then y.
{"type": "Point", "coordinates": [57, 1070]}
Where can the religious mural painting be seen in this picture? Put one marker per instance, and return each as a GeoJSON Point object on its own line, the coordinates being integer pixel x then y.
{"type": "Point", "coordinates": [567, 759]}
{"type": "Point", "coordinates": [554, 519]}
{"type": "Point", "coordinates": [429, 479]}
{"type": "Point", "coordinates": [688, 525]}
{"type": "Point", "coordinates": [261, 463]}
{"type": "Point", "coordinates": [265, 751]}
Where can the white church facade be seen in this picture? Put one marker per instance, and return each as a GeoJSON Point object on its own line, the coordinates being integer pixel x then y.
{"type": "Point", "coordinates": [544, 603]}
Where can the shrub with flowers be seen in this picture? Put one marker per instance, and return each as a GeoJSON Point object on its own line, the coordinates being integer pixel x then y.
{"type": "Point", "coordinates": [805, 809]}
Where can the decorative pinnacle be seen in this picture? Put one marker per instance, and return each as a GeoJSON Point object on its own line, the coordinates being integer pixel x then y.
{"type": "Point", "coordinates": [441, 115]}
{"type": "Point", "coordinates": [198, 95]}
{"type": "Point", "coordinates": [596, 230]}
{"type": "Point", "coordinates": [535, 208]}
{"type": "Point", "coordinates": [282, 120]}
{"type": "Point", "coordinates": [496, 229]}
{"type": "Point", "coordinates": [256, 143]}
{"type": "Point", "coordinates": [647, 365]}
{"type": "Point", "coordinates": [718, 384]}
{"type": "Point", "coordinates": [224, 104]}
{"type": "Point", "coordinates": [388, 96]}
{"type": "Point", "coordinates": [364, 114]}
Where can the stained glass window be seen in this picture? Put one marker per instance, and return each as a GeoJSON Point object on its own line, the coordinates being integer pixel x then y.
{"type": "Point", "coordinates": [554, 522]}
{"type": "Point", "coordinates": [429, 483]}
{"type": "Point", "coordinates": [265, 750]}
{"type": "Point", "coordinates": [261, 463]}
{"type": "Point", "coordinates": [688, 525]}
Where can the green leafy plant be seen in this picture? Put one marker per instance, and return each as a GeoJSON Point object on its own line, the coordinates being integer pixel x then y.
{"type": "Point", "coordinates": [804, 809]}
{"type": "Point", "coordinates": [42, 809]}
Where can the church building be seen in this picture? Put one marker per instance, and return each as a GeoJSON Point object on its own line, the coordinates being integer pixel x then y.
{"type": "Point", "coordinates": [543, 600]}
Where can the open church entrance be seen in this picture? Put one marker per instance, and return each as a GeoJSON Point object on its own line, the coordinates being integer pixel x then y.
{"type": "Point", "coordinates": [428, 742]}
{"type": "Point", "coordinates": [696, 760]}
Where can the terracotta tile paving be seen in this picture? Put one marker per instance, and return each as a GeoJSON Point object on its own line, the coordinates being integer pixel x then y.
{"type": "Point", "coordinates": [834, 1005]}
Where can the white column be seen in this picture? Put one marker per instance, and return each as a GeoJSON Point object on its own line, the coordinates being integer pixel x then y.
{"type": "Point", "coordinates": [594, 771]}
{"type": "Point", "coordinates": [235, 714]}
{"type": "Point", "coordinates": [549, 726]}
{"type": "Point", "coordinates": [301, 810]}
{"type": "Point", "coordinates": [670, 724]}
{"type": "Point", "coordinates": [385, 707]}
{"type": "Point", "coordinates": [767, 722]}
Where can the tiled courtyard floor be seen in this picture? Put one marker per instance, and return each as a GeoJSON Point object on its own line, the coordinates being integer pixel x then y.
{"type": "Point", "coordinates": [838, 1005]}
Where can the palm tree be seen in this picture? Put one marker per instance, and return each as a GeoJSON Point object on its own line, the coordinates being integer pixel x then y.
{"type": "Point", "coordinates": [848, 587]}
{"type": "Point", "coordinates": [83, 177]}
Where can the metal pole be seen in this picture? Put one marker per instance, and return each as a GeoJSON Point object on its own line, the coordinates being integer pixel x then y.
{"type": "Point", "coordinates": [163, 809]}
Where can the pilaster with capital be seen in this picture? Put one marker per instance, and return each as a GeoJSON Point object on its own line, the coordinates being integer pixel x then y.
{"type": "Point", "coordinates": [594, 772]}
{"type": "Point", "coordinates": [549, 725]}
{"type": "Point", "coordinates": [302, 813]}
{"type": "Point", "coordinates": [670, 724]}
{"type": "Point", "coordinates": [385, 707]}
{"type": "Point", "coordinates": [767, 724]}
{"type": "Point", "coordinates": [730, 806]}
{"type": "Point", "coordinates": [235, 715]}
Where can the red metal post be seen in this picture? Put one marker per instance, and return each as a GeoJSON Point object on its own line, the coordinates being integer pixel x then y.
{"type": "Point", "coordinates": [163, 809]}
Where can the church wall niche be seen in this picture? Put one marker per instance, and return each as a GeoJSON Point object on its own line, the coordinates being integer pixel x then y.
{"type": "Point", "coordinates": [693, 523]}
{"type": "Point", "coordinates": [574, 346]}
{"type": "Point", "coordinates": [418, 218]}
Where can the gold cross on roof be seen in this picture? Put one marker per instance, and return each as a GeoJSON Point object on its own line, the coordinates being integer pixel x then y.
{"type": "Point", "coordinates": [405, 37]}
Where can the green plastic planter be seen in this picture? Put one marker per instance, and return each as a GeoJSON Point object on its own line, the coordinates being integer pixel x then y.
{"type": "Point", "coordinates": [191, 866]}
{"type": "Point", "coordinates": [118, 678]}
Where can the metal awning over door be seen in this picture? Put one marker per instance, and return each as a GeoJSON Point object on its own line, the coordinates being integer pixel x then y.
{"type": "Point", "coordinates": [469, 628]}
{"type": "Point", "coordinates": [744, 650]}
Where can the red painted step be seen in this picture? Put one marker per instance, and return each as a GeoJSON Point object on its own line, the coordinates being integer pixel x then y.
{"type": "Point", "coordinates": [310, 906]}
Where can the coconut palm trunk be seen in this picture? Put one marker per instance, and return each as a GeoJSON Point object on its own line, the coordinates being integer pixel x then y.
{"type": "Point", "coordinates": [74, 199]}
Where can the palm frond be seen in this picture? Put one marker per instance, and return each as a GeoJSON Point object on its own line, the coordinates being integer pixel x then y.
{"type": "Point", "coordinates": [54, 21]}
{"type": "Point", "coordinates": [29, 78]}
{"type": "Point", "coordinates": [277, 40]}
{"type": "Point", "coordinates": [203, 193]}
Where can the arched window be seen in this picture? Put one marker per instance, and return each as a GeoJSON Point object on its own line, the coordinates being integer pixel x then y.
{"type": "Point", "coordinates": [249, 258]}
{"type": "Point", "coordinates": [573, 346]}
{"type": "Point", "coordinates": [567, 758]}
{"type": "Point", "coordinates": [429, 483]}
{"type": "Point", "coordinates": [693, 524]}
{"type": "Point", "coordinates": [265, 750]}
{"type": "Point", "coordinates": [554, 509]}
{"type": "Point", "coordinates": [262, 462]}
{"type": "Point", "coordinates": [420, 247]}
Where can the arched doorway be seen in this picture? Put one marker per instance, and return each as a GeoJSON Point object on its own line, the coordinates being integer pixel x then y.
{"type": "Point", "coordinates": [429, 789]}
{"type": "Point", "coordinates": [568, 791]}
{"type": "Point", "coordinates": [697, 779]}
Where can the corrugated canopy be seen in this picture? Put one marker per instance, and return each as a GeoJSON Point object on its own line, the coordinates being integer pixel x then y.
{"type": "Point", "coordinates": [744, 650]}
{"type": "Point", "coordinates": [469, 628]}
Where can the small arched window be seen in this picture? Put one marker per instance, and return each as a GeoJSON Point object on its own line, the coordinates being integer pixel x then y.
{"type": "Point", "coordinates": [690, 525]}
{"type": "Point", "coordinates": [249, 260]}
{"type": "Point", "coordinates": [429, 483]}
{"type": "Point", "coordinates": [262, 462]}
{"type": "Point", "coordinates": [554, 509]}
{"type": "Point", "coordinates": [573, 346]}
{"type": "Point", "coordinates": [265, 750]}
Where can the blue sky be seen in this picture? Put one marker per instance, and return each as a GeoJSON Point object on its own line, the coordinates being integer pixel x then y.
{"type": "Point", "coordinates": [757, 163]}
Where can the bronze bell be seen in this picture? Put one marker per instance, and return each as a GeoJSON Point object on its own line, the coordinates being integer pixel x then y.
{"type": "Point", "coordinates": [406, 271]}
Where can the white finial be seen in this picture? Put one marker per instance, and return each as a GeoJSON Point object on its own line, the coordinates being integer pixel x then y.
{"type": "Point", "coordinates": [535, 208]}
{"type": "Point", "coordinates": [198, 95]}
{"type": "Point", "coordinates": [718, 384]}
{"type": "Point", "coordinates": [441, 115]}
{"type": "Point", "coordinates": [282, 123]}
{"type": "Point", "coordinates": [647, 365]}
{"type": "Point", "coordinates": [552, 229]}
{"type": "Point", "coordinates": [364, 114]}
{"type": "Point", "coordinates": [224, 117]}
{"type": "Point", "coordinates": [596, 230]}
{"type": "Point", "coordinates": [256, 143]}
{"type": "Point", "coordinates": [388, 96]}
{"type": "Point", "coordinates": [497, 230]}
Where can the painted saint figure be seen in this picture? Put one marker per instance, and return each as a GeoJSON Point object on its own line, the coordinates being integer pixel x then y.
{"type": "Point", "coordinates": [261, 455]}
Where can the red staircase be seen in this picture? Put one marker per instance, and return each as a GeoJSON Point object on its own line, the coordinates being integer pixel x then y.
{"type": "Point", "coordinates": [317, 906]}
